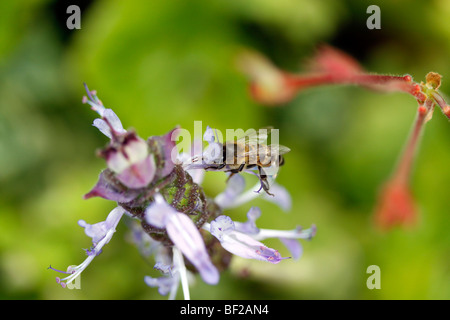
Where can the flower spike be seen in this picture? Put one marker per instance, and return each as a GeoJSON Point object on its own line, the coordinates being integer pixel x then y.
{"type": "Point", "coordinates": [161, 191]}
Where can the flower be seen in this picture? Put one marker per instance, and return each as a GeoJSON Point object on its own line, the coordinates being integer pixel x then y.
{"type": "Point", "coordinates": [101, 233]}
{"type": "Point", "coordinates": [268, 84]}
{"type": "Point", "coordinates": [184, 234]}
{"type": "Point", "coordinates": [164, 284]}
{"type": "Point", "coordinates": [242, 239]}
{"type": "Point", "coordinates": [212, 154]}
{"type": "Point", "coordinates": [98, 231]}
{"type": "Point", "coordinates": [127, 155]}
{"type": "Point", "coordinates": [109, 124]}
{"type": "Point", "coordinates": [131, 161]}
{"type": "Point", "coordinates": [395, 206]}
{"type": "Point", "coordinates": [161, 191]}
{"type": "Point", "coordinates": [107, 189]}
{"type": "Point", "coordinates": [165, 151]}
{"type": "Point", "coordinates": [235, 195]}
{"type": "Point", "coordinates": [241, 244]}
{"type": "Point", "coordinates": [168, 283]}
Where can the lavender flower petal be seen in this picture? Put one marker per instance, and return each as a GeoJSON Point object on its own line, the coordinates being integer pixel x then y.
{"type": "Point", "coordinates": [105, 189]}
{"type": "Point", "coordinates": [101, 234]}
{"type": "Point", "coordinates": [249, 227]}
{"type": "Point", "coordinates": [131, 161]}
{"type": "Point", "coordinates": [101, 125]}
{"type": "Point", "coordinates": [209, 135]}
{"type": "Point", "coordinates": [294, 246]}
{"type": "Point", "coordinates": [138, 175]}
{"type": "Point", "coordinates": [281, 197]}
{"type": "Point", "coordinates": [110, 121]}
{"type": "Point", "coordinates": [159, 212]}
{"type": "Point", "coordinates": [163, 283]}
{"type": "Point", "coordinates": [185, 235]}
{"type": "Point", "coordinates": [99, 230]}
{"type": "Point", "coordinates": [167, 147]}
{"type": "Point", "coordinates": [221, 226]}
{"type": "Point", "coordinates": [114, 121]}
{"type": "Point", "coordinates": [164, 268]}
{"type": "Point", "coordinates": [234, 188]}
{"type": "Point", "coordinates": [241, 244]}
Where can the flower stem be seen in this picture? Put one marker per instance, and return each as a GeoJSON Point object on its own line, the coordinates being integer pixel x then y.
{"type": "Point", "coordinates": [404, 167]}
{"type": "Point", "coordinates": [375, 81]}
{"type": "Point", "coordinates": [179, 262]}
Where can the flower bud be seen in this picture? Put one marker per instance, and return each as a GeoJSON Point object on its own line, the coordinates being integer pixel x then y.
{"type": "Point", "coordinates": [395, 206]}
{"type": "Point", "coordinates": [130, 160]}
{"type": "Point", "coordinates": [433, 80]}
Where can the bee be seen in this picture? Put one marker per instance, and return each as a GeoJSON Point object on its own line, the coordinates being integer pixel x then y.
{"type": "Point", "coordinates": [249, 152]}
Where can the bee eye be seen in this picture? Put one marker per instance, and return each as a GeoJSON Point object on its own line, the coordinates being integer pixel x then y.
{"type": "Point", "coordinates": [280, 160]}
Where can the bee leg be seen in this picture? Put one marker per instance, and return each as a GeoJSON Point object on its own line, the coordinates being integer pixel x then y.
{"type": "Point", "coordinates": [214, 167]}
{"type": "Point", "coordinates": [264, 182]}
{"type": "Point", "coordinates": [234, 171]}
{"type": "Point", "coordinates": [232, 174]}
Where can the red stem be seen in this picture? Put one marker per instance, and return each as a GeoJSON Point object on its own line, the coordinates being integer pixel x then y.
{"type": "Point", "coordinates": [404, 168]}
{"type": "Point", "coordinates": [373, 81]}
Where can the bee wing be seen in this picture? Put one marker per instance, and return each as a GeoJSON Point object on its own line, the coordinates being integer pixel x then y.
{"type": "Point", "coordinates": [256, 136]}
{"type": "Point", "coordinates": [281, 149]}
{"type": "Point", "coordinates": [263, 149]}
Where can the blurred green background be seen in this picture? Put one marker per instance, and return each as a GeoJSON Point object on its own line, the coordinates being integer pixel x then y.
{"type": "Point", "coordinates": [162, 63]}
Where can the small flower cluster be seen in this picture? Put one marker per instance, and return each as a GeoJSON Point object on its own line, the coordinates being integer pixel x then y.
{"type": "Point", "coordinates": [271, 86]}
{"type": "Point", "coordinates": [173, 219]}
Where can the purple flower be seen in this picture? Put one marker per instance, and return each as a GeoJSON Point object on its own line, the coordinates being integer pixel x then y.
{"type": "Point", "coordinates": [234, 194]}
{"type": "Point", "coordinates": [169, 282]}
{"type": "Point", "coordinates": [164, 268]}
{"type": "Point", "coordinates": [109, 124]}
{"type": "Point", "coordinates": [281, 197]}
{"type": "Point", "coordinates": [223, 225]}
{"type": "Point", "coordinates": [131, 161]}
{"type": "Point", "coordinates": [212, 154]}
{"type": "Point", "coordinates": [184, 234]}
{"type": "Point", "coordinates": [166, 147]}
{"type": "Point", "coordinates": [127, 155]}
{"type": "Point", "coordinates": [164, 284]}
{"type": "Point", "coordinates": [289, 238]}
{"type": "Point", "coordinates": [98, 231]}
{"type": "Point", "coordinates": [186, 160]}
{"type": "Point", "coordinates": [209, 135]}
{"type": "Point", "coordinates": [241, 244]}
{"type": "Point", "coordinates": [294, 246]}
{"type": "Point", "coordinates": [249, 227]}
{"type": "Point", "coordinates": [101, 233]}
{"type": "Point", "coordinates": [235, 187]}
{"type": "Point", "coordinates": [107, 190]}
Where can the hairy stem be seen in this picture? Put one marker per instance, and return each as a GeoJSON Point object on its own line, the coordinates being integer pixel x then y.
{"type": "Point", "coordinates": [404, 167]}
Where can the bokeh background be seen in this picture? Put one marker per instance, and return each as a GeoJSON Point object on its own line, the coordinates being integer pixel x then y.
{"type": "Point", "coordinates": [164, 63]}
